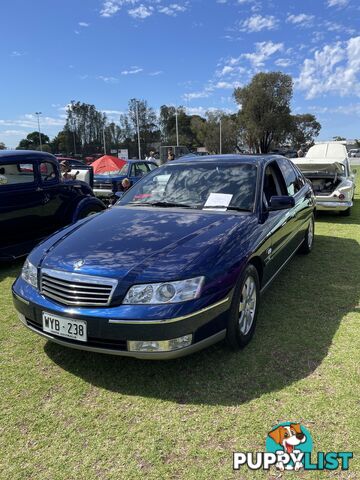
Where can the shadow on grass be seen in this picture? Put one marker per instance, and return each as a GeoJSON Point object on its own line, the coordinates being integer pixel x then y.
{"type": "Point", "coordinates": [299, 316]}
{"type": "Point", "coordinates": [335, 217]}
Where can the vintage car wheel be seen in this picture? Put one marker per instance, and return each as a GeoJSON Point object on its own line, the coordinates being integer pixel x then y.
{"type": "Point", "coordinates": [308, 242]}
{"type": "Point", "coordinates": [89, 210]}
{"type": "Point", "coordinates": [244, 309]}
{"type": "Point", "coordinates": [345, 213]}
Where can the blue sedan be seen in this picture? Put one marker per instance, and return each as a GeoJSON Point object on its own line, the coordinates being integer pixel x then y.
{"type": "Point", "coordinates": [176, 265]}
{"type": "Point", "coordinates": [106, 185]}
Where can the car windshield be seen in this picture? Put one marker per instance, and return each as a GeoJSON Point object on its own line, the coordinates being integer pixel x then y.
{"type": "Point", "coordinates": [198, 185]}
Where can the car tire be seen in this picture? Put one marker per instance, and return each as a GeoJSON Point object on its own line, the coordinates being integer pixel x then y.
{"type": "Point", "coordinates": [89, 210]}
{"type": "Point", "coordinates": [244, 308]}
{"type": "Point", "coordinates": [345, 213]}
{"type": "Point", "coordinates": [308, 242]}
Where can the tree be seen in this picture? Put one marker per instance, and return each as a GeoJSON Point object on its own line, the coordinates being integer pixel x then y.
{"type": "Point", "coordinates": [305, 128]}
{"type": "Point", "coordinates": [208, 132]}
{"type": "Point", "coordinates": [338, 139]}
{"type": "Point", "coordinates": [265, 108]}
{"type": "Point", "coordinates": [148, 126]}
{"type": "Point", "coordinates": [357, 143]}
{"type": "Point", "coordinates": [87, 124]}
{"type": "Point", "coordinates": [32, 141]}
{"type": "Point", "coordinates": [2, 146]}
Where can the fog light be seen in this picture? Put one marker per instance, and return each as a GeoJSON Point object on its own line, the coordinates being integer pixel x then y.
{"type": "Point", "coordinates": [159, 345]}
{"type": "Point", "coordinates": [341, 196]}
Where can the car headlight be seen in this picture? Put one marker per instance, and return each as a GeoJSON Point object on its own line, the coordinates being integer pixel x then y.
{"type": "Point", "coordinates": [29, 273]}
{"type": "Point", "coordinates": [169, 292]}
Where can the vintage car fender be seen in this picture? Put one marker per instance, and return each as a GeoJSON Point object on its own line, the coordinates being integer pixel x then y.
{"type": "Point", "coordinates": [85, 204]}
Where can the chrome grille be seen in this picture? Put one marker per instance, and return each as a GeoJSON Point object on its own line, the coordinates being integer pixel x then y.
{"type": "Point", "coordinates": [103, 186]}
{"type": "Point", "coordinates": [77, 289]}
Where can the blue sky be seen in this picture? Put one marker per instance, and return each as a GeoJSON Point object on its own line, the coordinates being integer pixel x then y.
{"type": "Point", "coordinates": [180, 52]}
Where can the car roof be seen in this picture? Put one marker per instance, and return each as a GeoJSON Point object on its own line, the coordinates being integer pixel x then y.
{"type": "Point", "coordinates": [6, 155]}
{"type": "Point", "coordinates": [136, 160]}
{"type": "Point", "coordinates": [254, 159]}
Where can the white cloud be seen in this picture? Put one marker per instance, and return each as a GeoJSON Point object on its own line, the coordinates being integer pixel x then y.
{"type": "Point", "coordinates": [334, 69]}
{"type": "Point", "coordinates": [141, 12]}
{"type": "Point", "coordinates": [107, 79]}
{"type": "Point", "coordinates": [155, 74]}
{"type": "Point", "coordinates": [283, 62]}
{"type": "Point", "coordinates": [263, 50]}
{"type": "Point", "coordinates": [84, 24]}
{"type": "Point", "coordinates": [173, 9]}
{"type": "Point", "coordinates": [11, 133]}
{"type": "Point", "coordinates": [225, 70]}
{"type": "Point", "coordinates": [256, 23]}
{"type": "Point", "coordinates": [227, 85]}
{"type": "Point", "coordinates": [132, 71]}
{"type": "Point", "coordinates": [141, 9]}
{"type": "Point", "coordinates": [301, 19]}
{"type": "Point", "coordinates": [29, 120]}
{"type": "Point", "coordinates": [15, 53]}
{"type": "Point", "coordinates": [337, 3]}
{"type": "Point", "coordinates": [194, 95]}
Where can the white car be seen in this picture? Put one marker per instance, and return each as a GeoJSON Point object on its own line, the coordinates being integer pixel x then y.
{"type": "Point", "coordinates": [354, 152]}
{"type": "Point", "coordinates": [327, 166]}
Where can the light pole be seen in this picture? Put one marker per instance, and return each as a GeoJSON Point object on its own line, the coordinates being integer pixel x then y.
{"type": "Point", "coordinates": [220, 137]}
{"type": "Point", "coordinates": [138, 128]}
{"type": "Point", "coordinates": [38, 120]}
{"type": "Point", "coordinates": [104, 141]}
{"type": "Point", "coordinates": [177, 127]}
{"type": "Point", "coordinates": [73, 124]}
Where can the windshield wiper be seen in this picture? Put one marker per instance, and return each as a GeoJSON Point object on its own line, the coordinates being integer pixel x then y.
{"type": "Point", "coordinates": [238, 209]}
{"type": "Point", "coordinates": [161, 204]}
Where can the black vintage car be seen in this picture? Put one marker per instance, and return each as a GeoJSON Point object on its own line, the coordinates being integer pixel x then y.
{"type": "Point", "coordinates": [35, 201]}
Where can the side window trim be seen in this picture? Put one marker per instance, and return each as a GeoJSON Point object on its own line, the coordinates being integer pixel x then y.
{"type": "Point", "coordinates": [19, 185]}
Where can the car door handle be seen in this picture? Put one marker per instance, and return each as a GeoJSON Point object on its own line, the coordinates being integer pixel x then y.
{"type": "Point", "coordinates": [39, 189]}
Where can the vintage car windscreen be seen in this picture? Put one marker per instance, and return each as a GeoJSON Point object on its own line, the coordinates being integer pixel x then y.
{"type": "Point", "coordinates": [196, 186]}
{"type": "Point", "coordinates": [16, 173]}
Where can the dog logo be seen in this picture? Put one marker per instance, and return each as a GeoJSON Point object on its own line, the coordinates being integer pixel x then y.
{"type": "Point", "coordinates": [289, 447]}
{"type": "Point", "coordinates": [290, 438]}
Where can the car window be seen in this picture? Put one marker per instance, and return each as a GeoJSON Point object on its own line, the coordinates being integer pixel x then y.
{"type": "Point", "coordinates": [274, 184]}
{"type": "Point", "coordinates": [141, 169]}
{"type": "Point", "coordinates": [132, 170]}
{"type": "Point", "coordinates": [300, 177]}
{"type": "Point", "coordinates": [16, 173]}
{"type": "Point", "coordinates": [151, 166]}
{"type": "Point", "coordinates": [47, 172]}
{"type": "Point", "coordinates": [290, 177]}
{"type": "Point", "coordinates": [192, 185]}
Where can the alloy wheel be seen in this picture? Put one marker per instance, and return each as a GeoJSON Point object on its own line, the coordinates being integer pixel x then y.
{"type": "Point", "coordinates": [247, 306]}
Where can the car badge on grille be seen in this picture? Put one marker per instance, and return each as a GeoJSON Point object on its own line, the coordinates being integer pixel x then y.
{"type": "Point", "coordinates": [78, 264]}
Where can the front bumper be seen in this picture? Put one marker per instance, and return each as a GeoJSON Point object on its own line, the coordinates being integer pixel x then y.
{"type": "Point", "coordinates": [110, 334]}
{"type": "Point", "coordinates": [102, 192]}
{"type": "Point", "coordinates": [332, 205]}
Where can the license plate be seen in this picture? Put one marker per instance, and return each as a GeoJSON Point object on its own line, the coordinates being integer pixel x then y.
{"type": "Point", "coordinates": [64, 327]}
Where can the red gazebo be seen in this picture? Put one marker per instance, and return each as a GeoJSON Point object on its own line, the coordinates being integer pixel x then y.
{"type": "Point", "coordinates": [108, 164]}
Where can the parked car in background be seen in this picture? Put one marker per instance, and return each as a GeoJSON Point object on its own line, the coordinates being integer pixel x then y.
{"type": "Point", "coordinates": [327, 166]}
{"type": "Point", "coordinates": [106, 185]}
{"type": "Point", "coordinates": [35, 201]}
{"type": "Point", "coordinates": [177, 264]}
{"type": "Point", "coordinates": [354, 152]}
{"type": "Point", "coordinates": [82, 171]}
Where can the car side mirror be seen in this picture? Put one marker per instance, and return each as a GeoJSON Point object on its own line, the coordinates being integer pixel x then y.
{"type": "Point", "coordinates": [282, 202]}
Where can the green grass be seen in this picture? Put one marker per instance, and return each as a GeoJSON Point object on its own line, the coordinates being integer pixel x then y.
{"type": "Point", "coordinates": [75, 415]}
